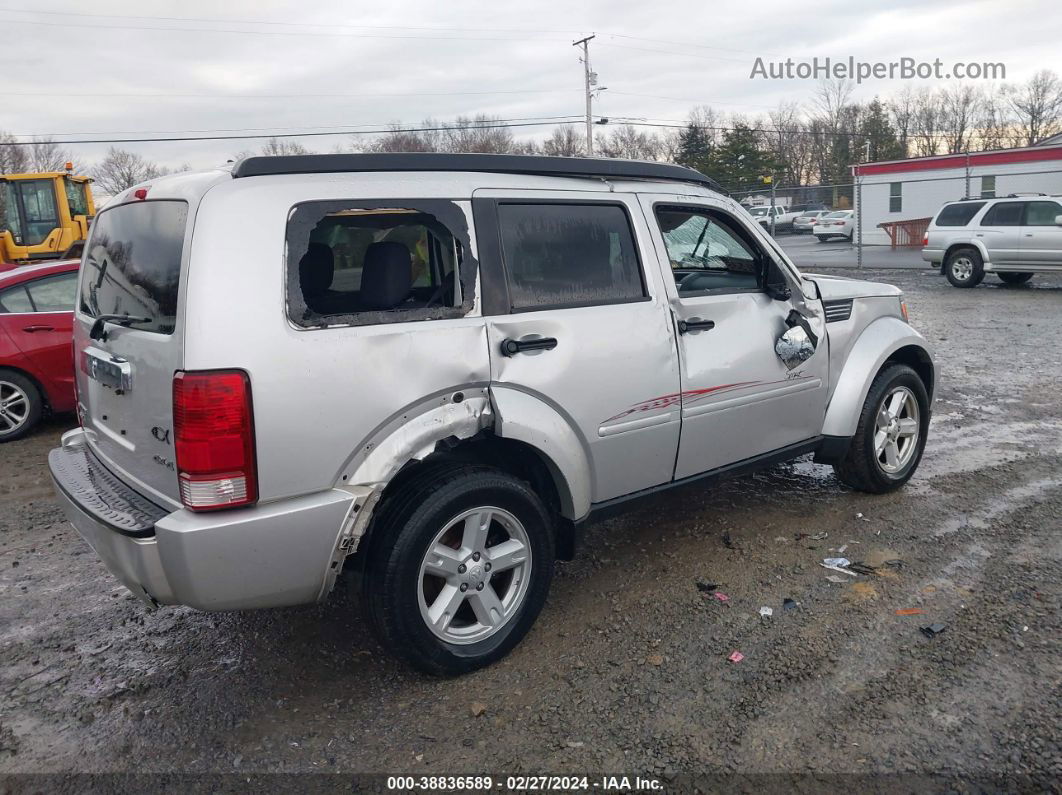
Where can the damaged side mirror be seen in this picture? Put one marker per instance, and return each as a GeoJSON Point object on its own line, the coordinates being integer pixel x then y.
{"type": "Point", "coordinates": [798, 343]}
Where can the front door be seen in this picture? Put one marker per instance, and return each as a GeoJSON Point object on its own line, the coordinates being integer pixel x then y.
{"type": "Point", "coordinates": [739, 400]}
{"type": "Point", "coordinates": [1041, 242]}
{"type": "Point", "coordinates": [576, 320]}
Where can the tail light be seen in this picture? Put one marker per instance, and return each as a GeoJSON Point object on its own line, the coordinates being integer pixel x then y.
{"type": "Point", "coordinates": [925, 239]}
{"type": "Point", "coordinates": [213, 427]}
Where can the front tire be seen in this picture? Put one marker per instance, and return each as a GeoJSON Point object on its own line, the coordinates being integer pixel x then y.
{"type": "Point", "coordinates": [964, 268]}
{"type": "Point", "coordinates": [891, 434]}
{"type": "Point", "coordinates": [1014, 278]}
{"type": "Point", "coordinates": [21, 405]}
{"type": "Point", "coordinates": [459, 565]}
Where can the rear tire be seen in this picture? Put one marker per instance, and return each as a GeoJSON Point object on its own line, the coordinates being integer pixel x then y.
{"type": "Point", "coordinates": [821, 238]}
{"type": "Point", "coordinates": [896, 404]}
{"type": "Point", "coordinates": [432, 595]}
{"type": "Point", "coordinates": [1014, 278]}
{"type": "Point", "coordinates": [964, 268]}
{"type": "Point", "coordinates": [21, 405]}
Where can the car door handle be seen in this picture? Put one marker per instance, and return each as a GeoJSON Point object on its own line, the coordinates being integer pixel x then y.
{"type": "Point", "coordinates": [695, 324]}
{"type": "Point", "coordinates": [511, 347]}
{"type": "Point", "coordinates": [31, 329]}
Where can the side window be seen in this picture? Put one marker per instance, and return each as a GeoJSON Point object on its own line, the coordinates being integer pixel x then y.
{"type": "Point", "coordinates": [564, 255]}
{"type": "Point", "coordinates": [958, 214]}
{"type": "Point", "coordinates": [351, 263]}
{"type": "Point", "coordinates": [1042, 213]}
{"type": "Point", "coordinates": [895, 197]}
{"type": "Point", "coordinates": [54, 293]}
{"type": "Point", "coordinates": [1004, 214]}
{"type": "Point", "coordinates": [15, 299]}
{"type": "Point", "coordinates": [709, 252]}
{"type": "Point", "coordinates": [988, 187]}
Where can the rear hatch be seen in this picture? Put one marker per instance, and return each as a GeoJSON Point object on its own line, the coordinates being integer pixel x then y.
{"type": "Point", "coordinates": [132, 267]}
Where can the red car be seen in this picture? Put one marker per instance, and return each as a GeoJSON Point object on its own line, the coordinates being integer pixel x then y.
{"type": "Point", "coordinates": [36, 354]}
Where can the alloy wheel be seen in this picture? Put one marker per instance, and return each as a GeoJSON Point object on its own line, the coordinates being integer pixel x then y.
{"type": "Point", "coordinates": [14, 407]}
{"type": "Point", "coordinates": [474, 575]}
{"type": "Point", "coordinates": [962, 268]}
{"type": "Point", "coordinates": [896, 430]}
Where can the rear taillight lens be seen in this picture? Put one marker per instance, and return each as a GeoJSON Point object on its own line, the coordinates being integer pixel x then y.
{"type": "Point", "coordinates": [925, 239]}
{"type": "Point", "coordinates": [213, 428]}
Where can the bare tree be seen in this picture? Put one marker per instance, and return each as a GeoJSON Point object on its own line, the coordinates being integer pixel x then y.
{"type": "Point", "coordinates": [1037, 106]}
{"type": "Point", "coordinates": [477, 134]}
{"type": "Point", "coordinates": [46, 155]}
{"type": "Point", "coordinates": [565, 141]}
{"type": "Point", "coordinates": [995, 129]}
{"type": "Point", "coordinates": [925, 122]}
{"type": "Point", "coordinates": [284, 146]}
{"type": "Point", "coordinates": [901, 114]}
{"type": "Point", "coordinates": [959, 106]}
{"type": "Point", "coordinates": [399, 140]}
{"type": "Point", "coordinates": [122, 169]}
{"type": "Point", "coordinates": [13, 159]}
{"type": "Point", "coordinates": [629, 142]}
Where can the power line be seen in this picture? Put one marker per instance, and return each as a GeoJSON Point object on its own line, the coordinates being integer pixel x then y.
{"type": "Point", "coordinates": [348, 26]}
{"type": "Point", "coordinates": [227, 21]}
{"type": "Point", "coordinates": [287, 96]}
{"type": "Point", "coordinates": [383, 131]}
{"type": "Point", "coordinates": [557, 118]}
{"type": "Point", "coordinates": [272, 32]}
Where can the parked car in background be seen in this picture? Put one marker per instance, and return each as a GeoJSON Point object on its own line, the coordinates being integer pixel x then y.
{"type": "Point", "coordinates": [36, 358]}
{"type": "Point", "coordinates": [809, 207]}
{"type": "Point", "coordinates": [783, 217]}
{"type": "Point", "coordinates": [805, 222]}
{"type": "Point", "coordinates": [449, 473]}
{"type": "Point", "coordinates": [1013, 237]}
{"type": "Point", "coordinates": [836, 224]}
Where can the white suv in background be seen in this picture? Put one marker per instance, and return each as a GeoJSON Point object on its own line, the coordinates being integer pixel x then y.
{"type": "Point", "coordinates": [1013, 237]}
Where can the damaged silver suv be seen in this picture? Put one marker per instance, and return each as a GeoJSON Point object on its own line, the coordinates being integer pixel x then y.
{"type": "Point", "coordinates": [433, 368]}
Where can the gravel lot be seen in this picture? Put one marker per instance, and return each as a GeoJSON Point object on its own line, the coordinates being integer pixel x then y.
{"type": "Point", "coordinates": [626, 670]}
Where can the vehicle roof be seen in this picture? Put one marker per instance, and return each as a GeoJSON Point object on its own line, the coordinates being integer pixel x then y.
{"type": "Point", "coordinates": [10, 275]}
{"type": "Point", "coordinates": [598, 168]}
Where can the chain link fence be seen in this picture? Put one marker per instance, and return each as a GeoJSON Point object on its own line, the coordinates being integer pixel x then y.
{"type": "Point", "coordinates": [892, 209]}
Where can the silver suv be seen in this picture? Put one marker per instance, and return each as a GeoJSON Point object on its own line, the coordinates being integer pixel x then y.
{"type": "Point", "coordinates": [1013, 237]}
{"type": "Point", "coordinates": [433, 369]}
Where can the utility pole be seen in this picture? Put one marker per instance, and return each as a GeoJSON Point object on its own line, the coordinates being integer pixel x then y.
{"type": "Point", "coordinates": [587, 81]}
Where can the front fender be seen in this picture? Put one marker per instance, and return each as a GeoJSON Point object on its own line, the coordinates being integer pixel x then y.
{"type": "Point", "coordinates": [529, 419]}
{"type": "Point", "coordinates": [878, 341]}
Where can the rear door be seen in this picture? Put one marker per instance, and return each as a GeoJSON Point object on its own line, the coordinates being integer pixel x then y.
{"type": "Point", "coordinates": [45, 334]}
{"type": "Point", "coordinates": [1001, 232]}
{"type": "Point", "coordinates": [132, 267]}
{"type": "Point", "coordinates": [739, 400]}
{"type": "Point", "coordinates": [574, 319]}
{"type": "Point", "coordinates": [1041, 243]}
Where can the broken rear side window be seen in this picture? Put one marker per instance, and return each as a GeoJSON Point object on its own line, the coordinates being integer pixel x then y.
{"type": "Point", "coordinates": [352, 263]}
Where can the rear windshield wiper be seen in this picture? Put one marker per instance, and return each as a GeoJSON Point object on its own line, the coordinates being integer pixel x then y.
{"type": "Point", "coordinates": [97, 331]}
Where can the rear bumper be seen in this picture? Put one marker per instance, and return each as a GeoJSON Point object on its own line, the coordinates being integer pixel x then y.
{"type": "Point", "coordinates": [271, 555]}
{"type": "Point", "coordinates": [934, 255]}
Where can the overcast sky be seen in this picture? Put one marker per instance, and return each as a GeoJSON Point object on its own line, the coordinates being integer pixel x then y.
{"type": "Point", "coordinates": [121, 67]}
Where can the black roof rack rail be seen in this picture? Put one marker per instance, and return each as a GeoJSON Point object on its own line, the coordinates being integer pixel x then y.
{"type": "Point", "coordinates": [599, 168]}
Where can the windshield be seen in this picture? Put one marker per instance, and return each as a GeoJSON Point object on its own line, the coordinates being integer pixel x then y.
{"type": "Point", "coordinates": [841, 214]}
{"type": "Point", "coordinates": [132, 263]}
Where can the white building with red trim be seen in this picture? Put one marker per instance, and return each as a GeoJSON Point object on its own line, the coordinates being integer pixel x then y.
{"type": "Point", "coordinates": [906, 190]}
